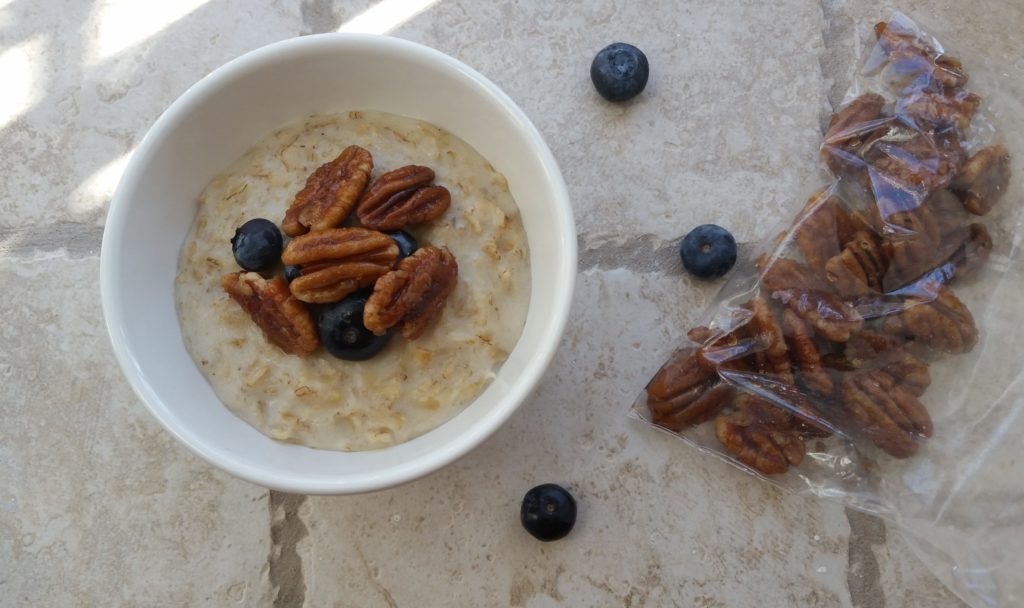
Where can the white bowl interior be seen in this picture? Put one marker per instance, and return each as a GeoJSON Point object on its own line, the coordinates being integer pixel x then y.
{"type": "Point", "coordinates": [212, 125]}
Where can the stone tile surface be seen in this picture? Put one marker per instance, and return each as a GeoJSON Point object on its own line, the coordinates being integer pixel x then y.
{"type": "Point", "coordinates": [100, 507]}
{"type": "Point", "coordinates": [659, 524]}
{"type": "Point", "coordinates": [94, 76]}
{"type": "Point", "coordinates": [710, 116]}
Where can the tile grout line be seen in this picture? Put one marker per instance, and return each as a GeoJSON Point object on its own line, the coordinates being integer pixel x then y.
{"type": "Point", "coordinates": [287, 581]}
{"type": "Point", "coordinates": [77, 239]}
{"type": "Point", "coordinates": [863, 576]}
{"type": "Point", "coordinates": [645, 253]}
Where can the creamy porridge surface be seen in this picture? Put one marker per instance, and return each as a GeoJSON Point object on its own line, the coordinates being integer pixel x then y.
{"type": "Point", "coordinates": [410, 387]}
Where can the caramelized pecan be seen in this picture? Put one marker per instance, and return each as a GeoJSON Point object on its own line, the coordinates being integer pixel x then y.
{"type": "Point", "coordinates": [821, 230]}
{"type": "Point", "coordinates": [974, 244]}
{"type": "Point", "coordinates": [944, 323]}
{"type": "Point", "coordinates": [402, 197]}
{"type": "Point", "coordinates": [910, 70]}
{"type": "Point", "coordinates": [874, 350]}
{"type": "Point", "coordinates": [685, 392]}
{"type": "Point", "coordinates": [338, 261]}
{"type": "Point", "coordinates": [851, 131]}
{"type": "Point", "coordinates": [914, 61]}
{"type": "Point", "coordinates": [938, 109]}
{"type": "Point", "coordinates": [764, 445]}
{"type": "Point", "coordinates": [330, 193]}
{"type": "Point", "coordinates": [962, 253]}
{"type": "Point", "coordinates": [896, 39]}
{"type": "Point", "coordinates": [859, 268]}
{"type": "Point", "coordinates": [915, 248]}
{"type": "Point", "coordinates": [848, 122]}
{"type": "Point", "coordinates": [911, 371]}
{"type": "Point", "coordinates": [948, 211]}
{"type": "Point", "coordinates": [983, 179]}
{"type": "Point", "coordinates": [804, 353]}
{"type": "Point", "coordinates": [909, 162]}
{"type": "Point", "coordinates": [413, 294]}
{"type": "Point", "coordinates": [932, 316]}
{"type": "Point", "coordinates": [771, 352]}
{"type": "Point", "coordinates": [795, 286]}
{"type": "Point", "coordinates": [284, 320]}
{"type": "Point", "coordinates": [700, 335]}
{"type": "Point", "coordinates": [886, 412]}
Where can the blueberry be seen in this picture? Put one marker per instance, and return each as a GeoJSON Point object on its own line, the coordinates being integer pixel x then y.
{"type": "Point", "coordinates": [405, 241]}
{"type": "Point", "coordinates": [292, 272]}
{"type": "Point", "coordinates": [548, 512]}
{"type": "Point", "coordinates": [257, 245]}
{"type": "Point", "coordinates": [619, 71]}
{"type": "Point", "coordinates": [708, 252]}
{"type": "Point", "coordinates": [342, 331]}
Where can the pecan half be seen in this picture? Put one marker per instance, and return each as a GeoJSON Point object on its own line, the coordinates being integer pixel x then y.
{"type": "Point", "coordinates": [338, 261]}
{"type": "Point", "coordinates": [911, 371]}
{"type": "Point", "coordinates": [916, 61]}
{"type": "Point", "coordinates": [911, 70]}
{"type": "Point", "coordinates": [875, 350]}
{"type": "Point", "coordinates": [974, 247]}
{"type": "Point", "coordinates": [772, 353]}
{"type": "Point", "coordinates": [700, 335]}
{"type": "Point", "coordinates": [944, 324]}
{"type": "Point", "coordinates": [284, 320]}
{"type": "Point", "coordinates": [795, 286]}
{"type": "Point", "coordinates": [948, 211]}
{"type": "Point", "coordinates": [330, 193]}
{"type": "Point", "coordinates": [848, 123]}
{"type": "Point", "coordinates": [402, 197]}
{"type": "Point", "coordinates": [804, 353]}
{"type": "Point", "coordinates": [983, 179]}
{"type": "Point", "coordinates": [413, 294]}
{"type": "Point", "coordinates": [765, 446]}
{"type": "Point", "coordinates": [887, 413]}
{"type": "Point", "coordinates": [916, 248]}
{"type": "Point", "coordinates": [685, 392]}
{"type": "Point", "coordinates": [822, 230]}
{"type": "Point", "coordinates": [935, 318]}
{"type": "Point", "coordinates": [851, 131]}
{"type": "Point", "coordinates": [859, 268]}
{"type": "Point", "coordinates": [918, 163]}
{"type": "Point", "coordinates": [939, 109]}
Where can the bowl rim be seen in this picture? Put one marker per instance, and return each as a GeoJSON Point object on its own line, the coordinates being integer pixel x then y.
{"type": "Point", "coordinates": [460, 445]}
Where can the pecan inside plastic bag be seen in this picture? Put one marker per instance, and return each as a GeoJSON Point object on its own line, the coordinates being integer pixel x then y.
{"type": "Point", "coordinates": [870, 352]}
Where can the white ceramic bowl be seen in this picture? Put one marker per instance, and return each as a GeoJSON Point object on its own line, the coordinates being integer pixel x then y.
{"type": "Point", "coordinates": [219, 119]}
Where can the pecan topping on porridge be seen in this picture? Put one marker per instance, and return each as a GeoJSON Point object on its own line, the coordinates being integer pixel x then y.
{"type": "Point", "coordinates": [413, 294]}
{"type": "Point", "coordinates": [283, 319]}
{"type": "Point", "coordinates": [337, 262]}
{"type": "Point", "coordinates": [330, 193]}
{"type": "Point", "coordinates": [402, 197]}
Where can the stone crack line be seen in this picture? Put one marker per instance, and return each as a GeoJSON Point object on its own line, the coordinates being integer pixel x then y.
{"type": "Point", "coordinates": [837, 60]}
{"type": "Point", "coordinates": [838, 56]}
{"type": "Point", "coordinates": [384, 592]}
{"type": "Point", "coordinates": [645, 253]}
{"type": "Point", "coordinates": [862, 572]}
{"type": "Point", "coordinates": [79, 240]}
{"type": "Point", "coordinates": [287, 584]}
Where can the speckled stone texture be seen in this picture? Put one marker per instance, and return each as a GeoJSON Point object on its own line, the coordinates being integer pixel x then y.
{"type": "Point", "coordinates": [99, 506]}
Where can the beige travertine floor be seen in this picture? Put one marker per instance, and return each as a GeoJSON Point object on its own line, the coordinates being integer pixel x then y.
{"type": "Point", "coordinates": [98, 506]}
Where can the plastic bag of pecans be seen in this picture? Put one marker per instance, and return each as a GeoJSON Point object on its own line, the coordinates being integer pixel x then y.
{"type": "Point", "coordinates": [870, 351]}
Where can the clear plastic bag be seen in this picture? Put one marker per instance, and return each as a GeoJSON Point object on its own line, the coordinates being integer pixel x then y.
{"type": "Point", "coordinates": [869, 351]}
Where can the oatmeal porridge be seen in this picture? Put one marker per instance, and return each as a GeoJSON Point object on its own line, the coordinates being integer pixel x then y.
{"type": "Point", "coordinates": [410, 387]}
